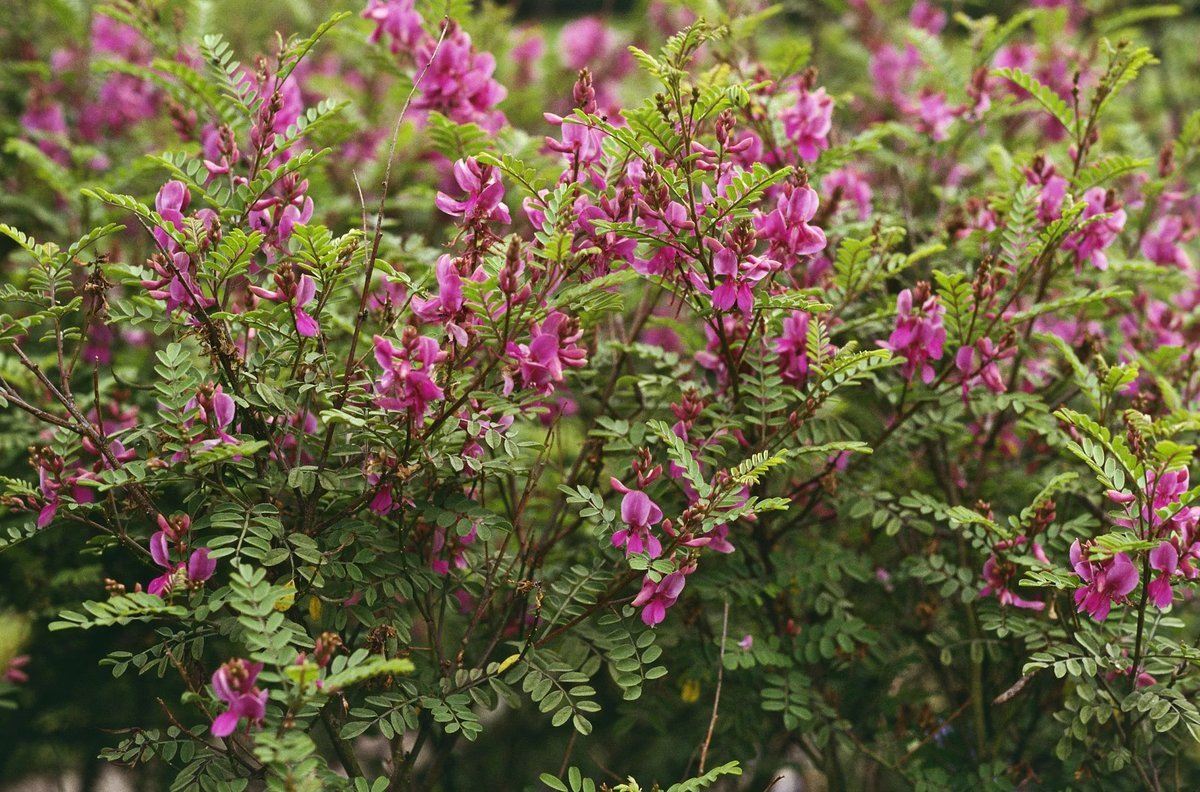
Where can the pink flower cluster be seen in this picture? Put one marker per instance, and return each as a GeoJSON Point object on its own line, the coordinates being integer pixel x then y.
{"type": "Point", "coordinates": [198, 568]}
{"type": "Point", "coordinates": [234, 684]}
{"type": "Point", "coordinates": [919, 336]}
{"type": "Point", "coordinates": [407, 381]}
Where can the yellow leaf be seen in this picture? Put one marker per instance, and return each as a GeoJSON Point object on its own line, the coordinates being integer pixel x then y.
{"type": "Point", "coordinates": [288, 599]}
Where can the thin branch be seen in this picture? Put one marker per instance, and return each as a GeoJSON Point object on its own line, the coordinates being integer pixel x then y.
{"type": "Point", "coordinates": [712, 723]}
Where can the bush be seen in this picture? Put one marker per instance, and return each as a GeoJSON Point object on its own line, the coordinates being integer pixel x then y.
{"type": "Point", "coordinates": [727, 394]}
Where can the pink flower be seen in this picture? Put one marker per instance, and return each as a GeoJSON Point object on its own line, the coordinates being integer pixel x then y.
{"type": "Point", "coordinates": [792, 348]}
{"type": "Point", "coordinates": [198, 569]}
{"type": "Point", "coordinates": [1165, 560]}
{"type": "Point", "coordinates": [398, 21]}
{"type": "Point", "coordinates": [639, 514]}
{"type": "Point", "coordinates": [735, 279]}
{"type": "Point", "coordinates": [403, 385]}
{"type": "Point", "coordinates": [447, 307]}
{"type": "Point", "coordinates": [1166, 490]}
{"type": "Point", "coordinates": [484, 201]}
{"type": "Point", "coordinates": [655, 598]}
{"type": "Point", "coordinates": [276, 216]}
{"type": "Point", "coordinates": [927, 16]}
{"type": "Point", "coordinates": [297, 293]}
{"type": "Point", "coordinates": [215, 411]}
{"type": "Point", "coordinates": [581, 145]}
{"type": "Point", "coordinates": [1162, 244]}
{"type": "Point", "coordinates": [551, 349]}
{"type": "Point", "coordinates": [176, 283]}
{"type": "Point", "coordinates": [717, 539]}
{"type": "Point", "coordinates": [847, 184]}
{"type": "Point", "coordinates": [172, 199]}
{"type": "Point", "coordinates": [1106, 581]}
{"type": "Point", "coordinates": [1090, 242]}
{"type": "Point", "coordinates": [999, 576]}
{"type": "Point", "coordinates": [986, 371]}
{"type": "Point", "coordinates": [450, 548]}
{"type": "Point", "coordinates": [526, 54]}
{"type": "Point", "coordinates": [665, 223]}
{"type": "Point", "coordinates": [586, 42]}
{"type": "Point", "coordinates": [458, 82]}
{"type": "Point", "coordinates": [807, 123]}
{"type": "Point", "coordinates": [14, 670]}
{"type": "Point", "coordinates": [234, 685]}
{"type": "Point", "coordinates": [919, 335]}
{"type": "Point", "coordinates": [893, 71]}
{"type": "Point", "coordinates": [934, 115]}
{"type": "Point", "coordinates": [787, 226]}
{"type": "Point", "coordinates": [46, 121]}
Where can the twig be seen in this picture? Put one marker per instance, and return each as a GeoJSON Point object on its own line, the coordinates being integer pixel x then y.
{"type": "Point", "coordinates": [712, 723]}
{"type": "Point", "coordinates": [342, 746]}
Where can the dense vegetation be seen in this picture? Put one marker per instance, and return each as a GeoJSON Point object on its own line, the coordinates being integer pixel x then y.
{"type": "Point", "coordinates": [781, 397]}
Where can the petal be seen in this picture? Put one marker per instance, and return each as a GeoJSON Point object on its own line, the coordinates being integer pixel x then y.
{"type": "Point", "coordinates": [223, 407]}
{"type": "Point", "coordinates": [672, 585]}
{"type": "Point", "coordinates": [384, 352]}
{"type": "Point", "coordinates": [306, 326]}
{"type": "Point", "coordinates": [635, 508]}
{"type": "Point", "coordinates": [224, 724]}
{"type": "Point", "coordinates": [306, 289]}
{"type": "Point", "coordinates": [201, 566]}
{"type": "Point", "coordinates": [159, 550]}
{"type": "Point", "coordinates": [1160, 592]}
{"type": "Point", "coordinates": [1165, 558]}
{"type": "Point", "coordinates": [1122, 576]}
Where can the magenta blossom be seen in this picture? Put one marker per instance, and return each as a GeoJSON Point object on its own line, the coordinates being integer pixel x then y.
{"type": "Point", "coordinates": [198, 569]}
{"type": "Point", "coordinates": [787, 226]}
{"type": "Point", "coordinates": [582, 147]}
{"type": "Point", "coordinates": [458, 81]}
{"type": "Point", "coordinates": [919, 335]}
{"type": "Point", "coordinates": [639, 514]}
{"type": "Point", "coordinates": [1106, 581]}
{"type": "Point", "coordinates": [807, 123]}
{"type": "Point", "coordinates": [1161, 244]}
{"type": "Point", "coordinates": [450, 548]}
{"type": "Point", "coordinates": [999, 574]}
{"type": "Point", "coordinates": [450, 298]}
{"type": "Point", "coordinates": [397, 20]}
{"type": "Point", "coordinates": [717, 539]}
{"type": "Point", "coordinates": [551, 349]}
{"type": "Point", "coordinates": [735, 279]}
{"type": "Point", "coordinates": [297, 293]}
{"type": "Point", "coordinates": [655, 598]}
{"type": "Point", "coordinates": [14, 670]}
{"type": "Point", "coordinates": [175, 283]}
{"type": "Point", "coordinates": [234, 685]}
{"type": "Point", "coordinates": [1164, 559]}
{"type": "Point", "coordinates": [893, 71]}
{"type": "Point", "coordinates": [1090, 243]}
{"type": "Point", "coordinates": [216, 411]}
{"type": "Point", "coordinates": [847, 184]}
{"type": "Point", "coordinates": [792, 348]}
{"type": "Point", "coordinates": [978, 363]}
{"type": "Point", "coordinates": [934, 116]}
{"type": "Point", "coordinates": [926, 16]}
{"type": "Point", "coordinates": [484, 201]}
{"type": "Point", "coordinates": [586, 41]}
{"type": "Point", "coordinates": [403, 385]}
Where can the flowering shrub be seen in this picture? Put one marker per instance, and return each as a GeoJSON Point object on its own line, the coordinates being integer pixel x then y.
{"type": "Point", "coordinates": [686, 401]}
